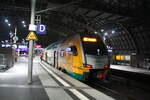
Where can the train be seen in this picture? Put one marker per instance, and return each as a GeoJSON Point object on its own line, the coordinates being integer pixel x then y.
{"type": "Point", "coordinates": [82, 56]}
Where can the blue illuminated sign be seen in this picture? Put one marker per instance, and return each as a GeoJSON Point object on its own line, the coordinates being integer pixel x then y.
{"type": "Point", "coordinates": [41, 29]}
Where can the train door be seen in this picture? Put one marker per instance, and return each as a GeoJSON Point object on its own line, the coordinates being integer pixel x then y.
{"type": "Point", "coordinates": [75, 60]}
{"type": "Point", "coordinates": [45, 56]}
{"type": "Point", "coordinates": [68, 63]}
{"type": "Point", "coordinates": [55, 59]}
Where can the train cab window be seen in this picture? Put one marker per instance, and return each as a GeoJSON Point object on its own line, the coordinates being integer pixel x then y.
{"type": "Point", "coordinates": [74, 50]}
{"type": "Point", "coordinates": [95, 49]}
{"type": "Point", "coordinates": [93, 45]}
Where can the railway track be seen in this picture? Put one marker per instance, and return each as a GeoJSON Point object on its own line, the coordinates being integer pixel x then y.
{"type": "Point", "coordinates": [106, 88]}
{"type": "Point", "coordinates": [133, 83]}
{"type": "Point", "coordinates": [119, 88]}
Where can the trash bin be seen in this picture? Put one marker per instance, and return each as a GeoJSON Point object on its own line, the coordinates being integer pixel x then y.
{"type": "Point", "coordinates": [7, 57]}
{"type": "Point", "coordinates": [3, 61]}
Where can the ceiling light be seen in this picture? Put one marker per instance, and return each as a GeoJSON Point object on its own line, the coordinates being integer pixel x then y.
{"type": "Point", "coordinates": [9, 24]}
{"type": "Point", "coordinates": [6, 20]}
{"type": "Point", "coordinates": [23, 22]}
{"type": "Point", "coordinates": [112, 32]}
{"type": "Point", "coordinates": [95, 32]}
{"type": "Point", "coordinates": [24, 25]}
{"type": "Point", "coordinates": [106, 34]}
{"type": "Point", "coordinates": [102, 30]}
{"type": "Point", "coordinates": [104, 38]}
{"type": "Point", "coordinates": [6, 41]}
{"type": "Point", "coordinates": [10, 33]}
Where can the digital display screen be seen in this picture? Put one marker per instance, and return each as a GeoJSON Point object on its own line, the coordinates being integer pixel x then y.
{"type": "Point", "coordinates": [22, 46]}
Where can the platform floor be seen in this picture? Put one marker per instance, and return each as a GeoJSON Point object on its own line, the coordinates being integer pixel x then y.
{"type": "Point", "coordinates": [130, 69]}
{"type": "Point", "coordinates": [48, 84]}
{"type": "Point", "coordinates": [13, 83]}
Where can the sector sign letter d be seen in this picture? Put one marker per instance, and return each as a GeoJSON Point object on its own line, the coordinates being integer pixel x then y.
{"type": "Point", "coordinates": [41, 29]}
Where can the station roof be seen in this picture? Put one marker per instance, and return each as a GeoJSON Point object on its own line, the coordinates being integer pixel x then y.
{"type": "Point", "coordinates": [123, 23]}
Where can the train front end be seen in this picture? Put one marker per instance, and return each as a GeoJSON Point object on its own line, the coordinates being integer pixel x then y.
{"type": "Point", "coordinates": [96, 64]}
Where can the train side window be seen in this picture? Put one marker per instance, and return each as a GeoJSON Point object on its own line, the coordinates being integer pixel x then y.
{"type": "Point", "coordinates": [62, 53]}
{"type": "Point", "coordinates": [74, 50]}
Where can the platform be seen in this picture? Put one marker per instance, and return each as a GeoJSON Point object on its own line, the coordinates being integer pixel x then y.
{"type": "Point", "coordinates": [131, 69]}
{"type": "Point", "coordinates": [48, 84]}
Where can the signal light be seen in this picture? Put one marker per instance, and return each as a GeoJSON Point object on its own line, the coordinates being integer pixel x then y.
{"type": "Point", "coordinates": [38, 46]}
{"type": "Point", "coordinates": [102, 76]}
{"type": "Point", "coordinates": [106, 66]}
{"type": "Point", "coordinates": [87, 39]}
{"type": "Point", "coordinates": [89, 66]}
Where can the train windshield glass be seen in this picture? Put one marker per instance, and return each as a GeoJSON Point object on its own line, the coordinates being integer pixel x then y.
{"type": "Point", "coordinates": [97, 48]}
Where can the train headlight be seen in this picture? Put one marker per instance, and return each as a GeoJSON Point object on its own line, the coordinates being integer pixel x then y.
{"type": "Point", "coordinates": [89, 66]}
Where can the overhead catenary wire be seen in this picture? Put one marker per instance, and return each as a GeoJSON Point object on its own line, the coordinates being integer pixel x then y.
{"type": "Point", "coordinates": [57, 7]}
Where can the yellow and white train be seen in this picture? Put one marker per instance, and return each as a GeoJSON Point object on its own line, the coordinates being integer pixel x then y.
{"type": "Point", "coordinates": [81, 56]}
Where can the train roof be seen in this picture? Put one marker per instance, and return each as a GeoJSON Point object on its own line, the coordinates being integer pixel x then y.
{"type": "Point", "coordinates": [58, 43]}
{"type": "Point", "coordinates": [54, 45]}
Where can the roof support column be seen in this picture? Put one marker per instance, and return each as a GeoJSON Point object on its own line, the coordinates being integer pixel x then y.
{"type": "Point", "coordinates": [31, 43]}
